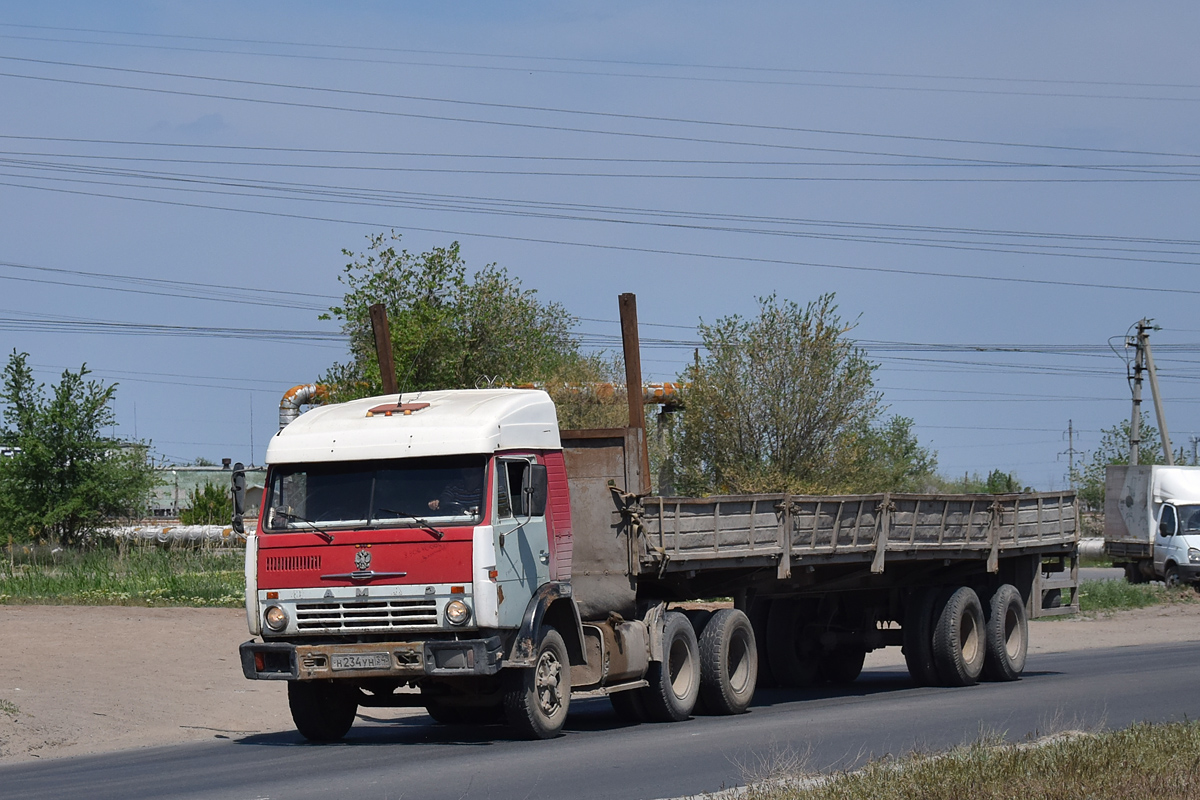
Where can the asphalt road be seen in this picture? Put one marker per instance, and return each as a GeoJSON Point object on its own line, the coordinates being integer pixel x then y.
{"type": "Point", "coordinates": [601, 758]}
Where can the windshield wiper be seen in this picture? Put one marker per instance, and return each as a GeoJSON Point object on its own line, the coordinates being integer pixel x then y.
{"type": "Point", "coordinates": [326, 535]}
{"type": "Point", "coordinates": [425, 526]}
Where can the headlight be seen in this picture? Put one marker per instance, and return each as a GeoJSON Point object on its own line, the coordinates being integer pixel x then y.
{"type": "Point", "coordinates": [457, 612]}
{"type": "Point", "coordinates": [1194, 555]}
{"type": "Point", "coordinates": [276, 618]}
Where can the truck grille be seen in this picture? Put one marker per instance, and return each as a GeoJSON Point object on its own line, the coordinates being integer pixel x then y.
{"type": "Point", "coordinates": [369, 615]}
{"type": "Point", "coordinates": [289, 563]}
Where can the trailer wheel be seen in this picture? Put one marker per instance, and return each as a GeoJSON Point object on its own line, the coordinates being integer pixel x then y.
{"type": "Point", "coordinates": [728, 663]}
{"type": "Point", "coordinates": [918, 636]}
{"type": "Point", "coordinates": [322, 711]}
{"type": "Point", "coordinates": [675, 681]}
{"type": "Point", "coordinates": [760, 609]}
{"type": "Point", "coordinates": [792, 654]}
{"type": "Point", "coordinates": [629, 706]}
{"type": "Point", "coordinates": [959, 638]}
{"type": "Point", "coordinates": [1007, 635]}
{"type": "Point", "coordinates": [536, 699]}
{"type": "Point", "coordinates": [843, 665]}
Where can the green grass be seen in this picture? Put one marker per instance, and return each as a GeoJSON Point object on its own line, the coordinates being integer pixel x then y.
{"type": "Point", "coordinates": [141, 576]}
{"type": "Point", "coordinates": [1109, 596]}
{"type": "Point", "coordinates": [8, 707]}
{"type": "Point", "coordinates": [1143, 761]}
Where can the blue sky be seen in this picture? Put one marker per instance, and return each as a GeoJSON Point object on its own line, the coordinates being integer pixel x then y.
{"type": "Point", "coordinates": [958, 174]}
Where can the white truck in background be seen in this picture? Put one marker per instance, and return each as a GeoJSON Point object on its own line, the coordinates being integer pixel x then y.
{"type": "Point", "coordinates": [1152, 522]}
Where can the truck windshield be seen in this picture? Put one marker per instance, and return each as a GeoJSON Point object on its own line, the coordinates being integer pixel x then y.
{"type": "Point", "coordinates": [1189, 519]}
{"type": "Point", "coordinates": [393, 493]}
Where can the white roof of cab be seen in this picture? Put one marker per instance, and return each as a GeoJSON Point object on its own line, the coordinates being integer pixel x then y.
{"type": "Point", "coordinates": [456, 422]}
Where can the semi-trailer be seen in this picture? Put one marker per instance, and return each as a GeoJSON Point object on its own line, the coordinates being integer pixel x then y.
{"type": "Point", "coordinates": [455, 550]}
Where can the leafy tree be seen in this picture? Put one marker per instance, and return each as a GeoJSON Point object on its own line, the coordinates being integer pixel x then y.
{"type": "Point", "coordinates": [207, 505]}
{"type": "Point", "coordinates": [1114, 449]}
{"type": "Point", "coordinates": [448, 331]}
{"type": "Point", "coordinates": [891, 459]}
{"type": "Point", "coordinates": [782, 402]}
{"type": "Point", "coordinates": [64, 477]}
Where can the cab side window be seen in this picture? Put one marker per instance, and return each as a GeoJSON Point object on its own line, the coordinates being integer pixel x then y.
{"type": "Point", "coordinates": [1166, 524]}
{"type": "Point", "coordinates": [511, 477]}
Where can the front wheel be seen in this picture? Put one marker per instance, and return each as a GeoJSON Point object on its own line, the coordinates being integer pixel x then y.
{"type": "Point", "coordinates": [322, 711]}
{"type": "Point", "coordinates": [1171, 576]}
{"type": "Point", "coordinates": [536, 700]}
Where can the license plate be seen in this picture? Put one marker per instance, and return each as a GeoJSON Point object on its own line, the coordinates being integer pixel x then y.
{"type": "Point", "coordinates": [361, 661]}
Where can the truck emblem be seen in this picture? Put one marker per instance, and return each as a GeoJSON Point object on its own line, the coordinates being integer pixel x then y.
{"type": "Point", "coordinates": [362, 560]}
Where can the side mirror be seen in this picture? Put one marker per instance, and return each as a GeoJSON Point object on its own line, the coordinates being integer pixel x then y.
{"type": "Point", "coordinates": [537, 488]}
{"type": "Point", "coordinates": [1164, 529]}
{"type": "Point", "coordinates": [239, 497]}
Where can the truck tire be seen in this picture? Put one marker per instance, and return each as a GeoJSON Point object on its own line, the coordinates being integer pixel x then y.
{"type": "Point", "coordinates": [759, 611]}
{"type": "Point", "coordinates": [1171, 576]}
{"type": "Point", "coordinates": [322, 710]}
{"type": "Point", "coordinates": [675, 681]}
{"type": "Point", "coordinates": [629, 707]}
{"type": "Point", "coordinates": [959, 637]}
{"type": "Point", "coordinates": [1007, 635]}
{"type": "Point", "coordinates": [843, 665]}
{"type": "Point", "coordinates": [728, 663]}
{"type": "Point", "coordinates": [792, 654]}
{"type": "Point", "coordinates": [536, 699]}
{"type": "Point", "coordinates": [918, 636]}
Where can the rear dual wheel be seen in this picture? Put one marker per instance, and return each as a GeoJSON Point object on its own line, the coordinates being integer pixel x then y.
{"type": "Point", "coordinates": [1007, 635]}
{"type": "Point", "coordinates": [959, 638]}
{"type": "Point", "coordinates": [674, 681]}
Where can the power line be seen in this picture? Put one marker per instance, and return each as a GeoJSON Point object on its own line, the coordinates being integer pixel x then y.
{"type": "Point", "coordinates": [631, 249]}
{"type": "Point", "coordinates": [517, 107]}
{"type": "Point", "coordinates": [615, 62]}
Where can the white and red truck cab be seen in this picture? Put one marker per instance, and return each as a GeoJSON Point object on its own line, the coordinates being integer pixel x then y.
{"type": "Point", "coordinates": [407, 541]}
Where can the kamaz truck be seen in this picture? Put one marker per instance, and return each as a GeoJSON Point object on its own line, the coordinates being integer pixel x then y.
{"type": "Point", "coordinates": [455, 550]}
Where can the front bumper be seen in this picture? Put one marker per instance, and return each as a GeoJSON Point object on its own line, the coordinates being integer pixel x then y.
{"type": "Point", "coordinates": [282, 661]}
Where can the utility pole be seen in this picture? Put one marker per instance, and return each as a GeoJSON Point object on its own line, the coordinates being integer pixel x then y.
{"type": "Point", "coordinates": [1195, 440]}
{"type": "Point", "coordinates": [1135, 418]}
{"type": "Point", "coordinates": [1168, 452]}
{"type": "Point", "coordinates": [1070, 453]}
{"type": "Point", "coordinates": [1144, 361]}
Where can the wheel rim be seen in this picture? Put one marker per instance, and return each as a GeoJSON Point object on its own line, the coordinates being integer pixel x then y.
{"type": "Point", "coordinates": [968, 639]}
{"type": "Point", "coordinates": [739, 663]}
{"type": "Point", "coordinates": [1014, 643]}
{"type": "Point", "coordinates": [548, 683]}
{"type": "Point", "coordinates": [681, 668]}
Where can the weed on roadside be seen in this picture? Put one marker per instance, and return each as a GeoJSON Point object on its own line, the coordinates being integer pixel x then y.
{"type": "Point", "coordinates": [9, 707]}
{"type": "Point", "coordinates": [142, 576]}
{"type": "Point", "coordinates": [1108, 596]}
{"type": "Point", "coordinates": [1145, 760]}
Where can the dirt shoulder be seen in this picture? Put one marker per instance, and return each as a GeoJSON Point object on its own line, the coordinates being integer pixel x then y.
{"type": "Point", "coordinates": [76, 679]}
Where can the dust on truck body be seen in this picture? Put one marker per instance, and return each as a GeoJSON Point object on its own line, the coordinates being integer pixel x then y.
{"type": "Point", "coordinates": [455, 550]}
